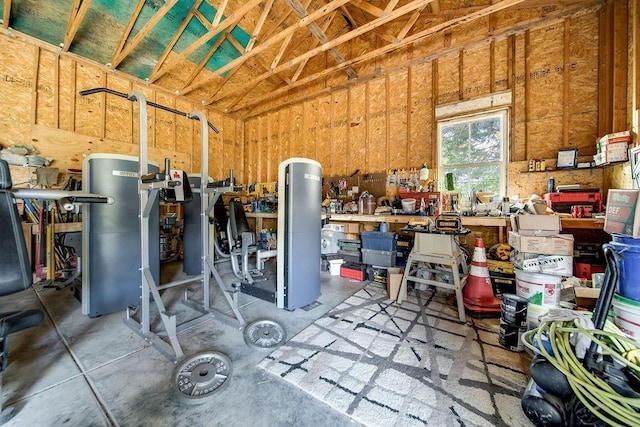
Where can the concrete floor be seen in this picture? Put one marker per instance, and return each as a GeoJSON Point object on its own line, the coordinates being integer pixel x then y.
{"type": "Point", "coordinates": [77, 371]}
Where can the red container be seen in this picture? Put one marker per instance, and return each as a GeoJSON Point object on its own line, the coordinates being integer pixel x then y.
{"type": "Point", "coordinates": [352, 270]}
{"type": "Point", "coordinates": [585, 270]}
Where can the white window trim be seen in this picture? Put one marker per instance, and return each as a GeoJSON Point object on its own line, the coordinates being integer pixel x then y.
{"type": "Point", "coordinates": [462, 117]}
{"type": "Point", "coordinates": [477, 105]}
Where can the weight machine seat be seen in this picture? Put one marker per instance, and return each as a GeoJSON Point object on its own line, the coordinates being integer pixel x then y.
{"type": "Point", "coordinates": [16, 271]}
{"type": "Point", "coordinates": [242, 242]}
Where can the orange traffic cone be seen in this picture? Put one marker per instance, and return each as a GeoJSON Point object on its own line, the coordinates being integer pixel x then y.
{"type": "Point", "coordinates": [478, 292]}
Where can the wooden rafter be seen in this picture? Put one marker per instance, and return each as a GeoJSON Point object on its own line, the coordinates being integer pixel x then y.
{"type": "Point", "coordinates": [320, 35]}
{"type": "Point", "coordinates": [80, 8]}
{"type": "Point", "coordinates": [302, 64]}
{"type": "Point", "coordinates": [119, 56]}
{"type": "Point", "coordinates": [259, 60]}
{"type": "Point", "coordinates": [219, 12]}
{"type": "Point", "coordinates": [286, 41]}
{"type": "Point", "coordinates": [175, 39]}
{"type": "Point", "coordinates": [408, 8]}
{"type": "Point", "coordinates": [390, 47]}
{"type": "Point", "coordinates": [6, 13]}
{"type": "Point", "coordinates": [410, 23]}
{"type": "Point", "coordinates": [230, 22]}
{"type": "Point", "coordinates": [368, 7]}
{"type": "Point", "coordinates": [258, 28]}
{"type": "Point", "coordinates": [127, 30]}
{"type": "Point", "coordinates": [207, 57]}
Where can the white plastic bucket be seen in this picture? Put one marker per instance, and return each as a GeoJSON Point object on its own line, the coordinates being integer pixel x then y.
{"type": "Point", "coordinates": [539, 289]}
{"type": "Point", "coordinates": [534, 312]}
{"type": "Point", "coordinates": [627, 316]}
{"type": "Point", "coordinates": [334, 266]}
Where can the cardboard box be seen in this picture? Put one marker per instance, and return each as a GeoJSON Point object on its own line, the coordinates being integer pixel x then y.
{"type": "Point", "coordinates": [616, 152]}
{"type": "Point", "coordinates": [560, 244]}
{"type": "Point", "coordinates": [347, 227]}
{"type": "Point", "coordinates": [394, 280]}
{"type": "Point", "coordinates": [615, 137]}
{"type": "Point", "coordinates": [586, 297]}
{"type": "Point", "coordinates": [536, 225]}
{"type": "Point", "coordinates": [559, 265]}
{"type": "Point", "coordinates": [623, 215]}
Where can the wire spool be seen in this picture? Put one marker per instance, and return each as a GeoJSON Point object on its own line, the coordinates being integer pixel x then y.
{"type": "Point", "coordinates": [499, 252]}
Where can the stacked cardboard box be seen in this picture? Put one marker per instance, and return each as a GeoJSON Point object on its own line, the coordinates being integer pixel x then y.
{"type": "Point", "coordinates": [612, 148]}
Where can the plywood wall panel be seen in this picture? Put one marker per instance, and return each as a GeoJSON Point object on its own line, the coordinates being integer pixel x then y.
{"type": "Point", "coordinates": [165, 122]}
{"type": "Point", "coordinates": [296, 144]}
{"type": "Point", "coordinates": [251, 142]}
{"type": "Point", "coordinates": [339, 137]}
{"type": "Point", "coordinates": [119, 116]}
{"type": "Point", "coordinates": [69, 149]}
{"type": "Point", "coordinates": [185, 142]}
{"type": "Point", "coordinates": [284, 136]}
{"type": "Point", "coordinates": [477, 78]}
{"type": "Point", "coordinates": [323, 139]}
{"type": "Point", "coordinates": [310, 123]}
{"type": "Point", "coordinates": [448, 79]}
{"type": "Point", "coordinates": [501, 64]}
{"type": "Point", "coordinates": [357, 128]}
{"type": "Point", "coordinates": [263, 148]}
{"type": "Point", "coordinates": [583, 94]}
{"type": "Point", "coordinates": [377, 126]}
{"type": "Point", "coordinates": [274, 149]}
{"type": "Point", "coordinates": [45, 89]}
{"type": "Point", "coordinates": [89, 109]}
{"type": "Point", "coordinates": [397, 105]}
{"type": "Point", "coordinates": [519, 102]}
{"type": "Point", "coordinates": [421, 104]}
{"type": "Point", "coordinates": [67, 93]}
{"type": "Point", "coordinates": [545, 96]}
{"type": "Point", "coordinates": [16, 86]}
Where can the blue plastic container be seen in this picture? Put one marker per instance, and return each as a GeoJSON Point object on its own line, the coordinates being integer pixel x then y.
{"type": "Point", "coordinates": [629, 266]}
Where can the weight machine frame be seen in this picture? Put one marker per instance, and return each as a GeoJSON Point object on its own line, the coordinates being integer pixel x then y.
{"type": "Point", "coordinates": [148, 191]}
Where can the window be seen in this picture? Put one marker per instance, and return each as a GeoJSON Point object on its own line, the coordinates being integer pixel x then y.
{"type": "Point", "coordinates": [474, 149]}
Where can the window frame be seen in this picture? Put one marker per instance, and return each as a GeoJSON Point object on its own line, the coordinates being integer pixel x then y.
{"type": "Point", "coordinates": [503, 113]}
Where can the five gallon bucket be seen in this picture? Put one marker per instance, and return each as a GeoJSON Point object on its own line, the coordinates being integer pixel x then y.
{"type": "Point", "coordinates": [539, 289]}
{"type": "Point", "coordinates": [627, 316]}
{"type": "Point", "coordinates": [629, 266]}
{"type": "Point", "coordinates": [334, 266]}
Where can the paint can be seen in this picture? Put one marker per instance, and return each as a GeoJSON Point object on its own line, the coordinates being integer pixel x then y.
{"type": "Point", "coordinates": [514, 310]}
{"type": "Point", "coordinates": [510, 337]}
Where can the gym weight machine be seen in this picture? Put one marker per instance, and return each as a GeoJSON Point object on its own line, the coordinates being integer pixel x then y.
{"type": "Point", "coordinates": [206, 372]}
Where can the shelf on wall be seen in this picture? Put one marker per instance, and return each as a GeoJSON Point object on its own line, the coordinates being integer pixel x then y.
{"type": "Point", "coordinates": [577, 169]}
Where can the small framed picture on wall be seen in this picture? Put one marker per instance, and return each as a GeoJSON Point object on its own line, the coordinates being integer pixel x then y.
{"type": "Point", "coordinates": [567, 158]}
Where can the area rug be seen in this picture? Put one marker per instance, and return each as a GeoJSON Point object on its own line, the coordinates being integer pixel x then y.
{"type": "Point", "coordinates": [385, 364]}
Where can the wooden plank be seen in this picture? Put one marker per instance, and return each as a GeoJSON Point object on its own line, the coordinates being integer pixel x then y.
{"type": "Point", "coordinates": [34, 89]}
{"type": "Point", "coordinates": [68, 149]}
{"type": "Point", "coordinates": [120, 55]}
{"type": "Point", "coordinates": [527, 90]}
{"type": "Point", "coordinates": [620, 64]}
{"type": "Point", "coordinates": [566, 83]}
{"type": "Point", "coordinates": [153, 76]}
{"type": "Point", "coordinates": [80, 8]}
{"type": "Point", "coordinates": [6, 13]}
{"type": "Point", "coordinates": [127, 31]}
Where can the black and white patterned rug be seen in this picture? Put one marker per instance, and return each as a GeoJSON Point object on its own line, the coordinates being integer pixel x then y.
{"type": "Point", "coordinates": [385, 364]}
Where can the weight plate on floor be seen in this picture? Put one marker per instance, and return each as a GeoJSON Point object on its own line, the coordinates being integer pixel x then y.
{"type": "Point", "coordinates": [201, 375]}
{"type": "Point", "coordinates": [265, 334]}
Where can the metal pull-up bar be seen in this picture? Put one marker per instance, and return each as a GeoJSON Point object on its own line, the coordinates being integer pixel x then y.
{"type": "Point", "coordinates": [131, 97]}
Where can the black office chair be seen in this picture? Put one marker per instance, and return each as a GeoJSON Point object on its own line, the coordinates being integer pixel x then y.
{"type": "Point", "coordinates": [15, 274]}
{"type": "Point", "coordinates": [242, 243]}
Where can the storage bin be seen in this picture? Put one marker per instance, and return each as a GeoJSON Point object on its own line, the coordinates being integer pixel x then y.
{"type": "Point", "coordinates": [353, 270]}
{"type": "Point", "coordinates": [379, 258]}
{"type": "Point", "coordinates": [379, 241]}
